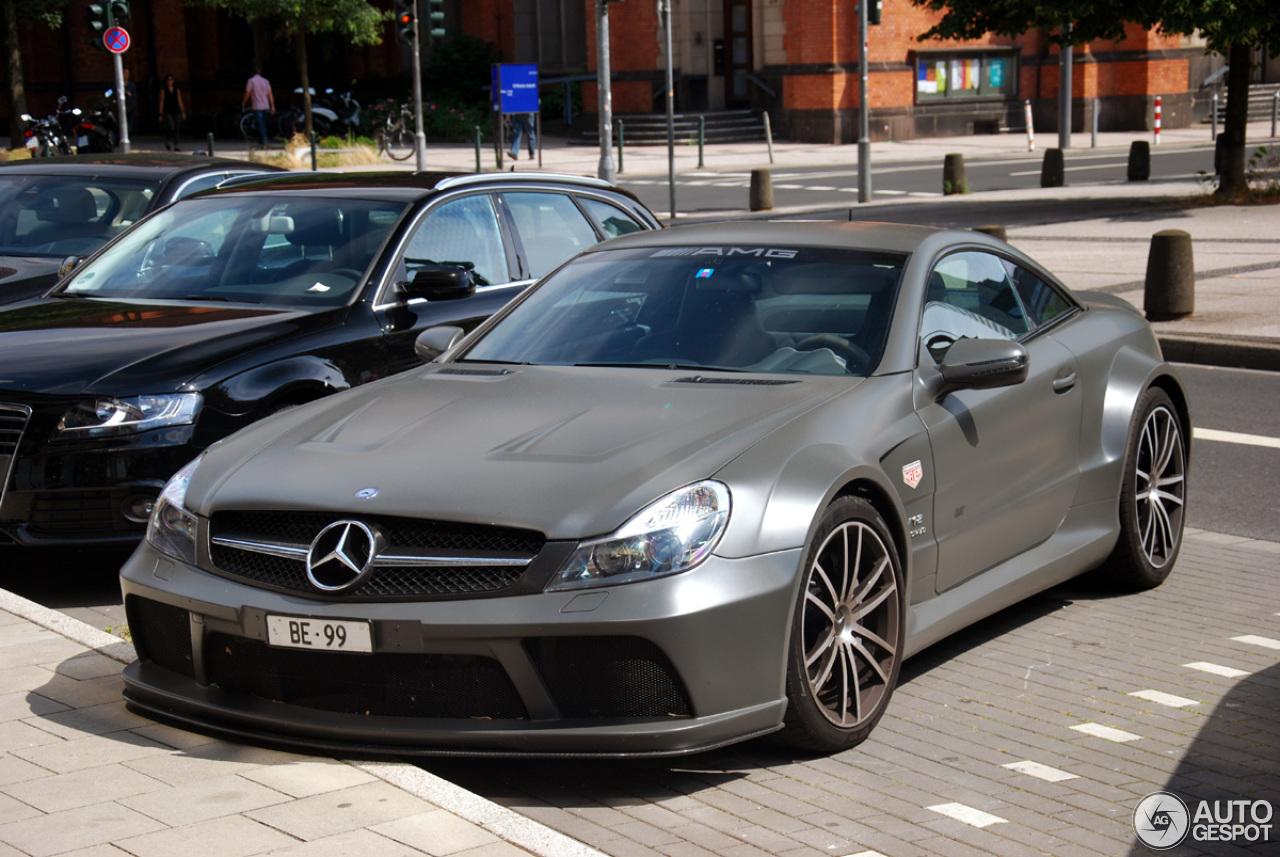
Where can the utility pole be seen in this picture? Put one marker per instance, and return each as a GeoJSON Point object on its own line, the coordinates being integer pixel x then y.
{"type": "Point", "coordinates": [665, 8]}
{"type": "Point", "coordinates": [864, 112]}
{"type": "Point", "coordinates": [604, 92]}
{"type": "Point", "coordinates": [1065, 60]}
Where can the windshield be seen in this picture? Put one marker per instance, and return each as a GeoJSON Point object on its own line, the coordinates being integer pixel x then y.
{"type": "Point", "coordinates": [306, 251]}
{"type": "Point", "coordinates": [808, 311]}
{"type": "Point", "coordinates": [61, 216]}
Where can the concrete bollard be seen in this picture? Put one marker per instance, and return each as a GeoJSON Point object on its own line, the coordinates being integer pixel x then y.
{"type": "Point", "coordinates": [994, 230]}
{"type": "Point", "coordinates": [1171, 277]}
{"type": "Point", "coordinates": [1139, 161]}
{"type": "Point", "coordinates": [761, 189]}
{"type": "Point", "coordinates": [953, 178]}
{"type": "Point", "coordinates": [1053, 171]}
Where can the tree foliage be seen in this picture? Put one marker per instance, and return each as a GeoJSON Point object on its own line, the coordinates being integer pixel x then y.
{"type": "Point", "coordinates": [12, 12]}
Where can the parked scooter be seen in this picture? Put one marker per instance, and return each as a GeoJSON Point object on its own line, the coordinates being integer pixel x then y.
{"type": "Point", "coordinates": [330, 114]}
{"type": "Point", "coordinates": [45, 137]}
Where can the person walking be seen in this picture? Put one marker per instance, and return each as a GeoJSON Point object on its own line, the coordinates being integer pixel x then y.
{"type": "Point", "coordinates": [522, 126]}
{"type": "Point", "coordinates": [172, 112]}
{"type": "Point", "coordinates": [258, 96]}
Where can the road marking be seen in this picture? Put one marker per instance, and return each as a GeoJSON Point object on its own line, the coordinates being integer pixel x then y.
{"type": "Point", "coordinates": [1236, 437]}
{"type": "Point", "coordinates": [1164, 698]}
{"type": "Point", "coordinates": [1097, 730]}
{"type": "Point", "coordinates": [968, 815]}
{"type": "Point", "coordinates": [1255, 640]}
{"type": "Point", "coordinates": [819, 187]}
{"type": "Point", "coordinates": [1115, 166]}
{"type": "Point", "coordinates": [1039, 771]}
{"type": "Point", "coordinates": [1218, 669]}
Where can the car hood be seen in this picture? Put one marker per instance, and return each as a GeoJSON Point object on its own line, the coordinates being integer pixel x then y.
{"type": "Point", "coordinates": [24, 277]}
{"type": "Point", "coordinates": [571, 452]}
{"type": "Point", "coordinates": [69, 346]}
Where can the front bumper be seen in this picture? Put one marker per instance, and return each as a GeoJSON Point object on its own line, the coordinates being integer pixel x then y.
{"type": "Point", "coordinates": [667, 667]}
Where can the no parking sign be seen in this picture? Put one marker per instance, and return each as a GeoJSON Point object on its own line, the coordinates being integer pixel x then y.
{"type": "Point", "coordinates": [116, 39]}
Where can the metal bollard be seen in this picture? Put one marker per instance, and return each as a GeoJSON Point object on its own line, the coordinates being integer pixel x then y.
{"type": "Point", "coordinates": [761, 190]}
{"type": "Point", "coordinates": [1213, 119]}
{"type": "Point", "coordinates": [1139, 161]}
{"type": "Point", "coordinates": [1093, 127]}
{"type": "Point", "coordinates": [1053, 170]}
{"type": "Point", "coordinates": [994, 230]}
{"type": "Point", "coordinates": [702, 138]}
{"type": "Point", "coordinates": [953, 176]}
{"type": "Point", "coordinates": [477, 148]}
{"type": "Point", "coordinates": [313, 151]}
{"type": "Point", "coordinates": [768, 135]}
{"type": "Point", "coordinates": [1031, 125]}
{"type": "Point", "coordinates": [1156, 141]}
{"type": "Point", "coordinates": [209, 142]}
{"type": "Point", "coordinates": [619, 145]}
{"type": "Point", "coordinates": [1169, 289]}
{"type": "Point", "coordinates": [1275, 112]}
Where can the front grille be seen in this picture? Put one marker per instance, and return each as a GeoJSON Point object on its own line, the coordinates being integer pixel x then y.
{"type": "Point", "coordinates": [379, 685]}
{"type": "Point", "coordinates": [594, 677]}
{"type": "Point", "coordinates": [161, 634]}
{"type": "Point", "coordinates": [13, 422]}
{"type": "Point", "coordinates": [299, 529]}
{"type": "Point", "coordinates": [79, 515]}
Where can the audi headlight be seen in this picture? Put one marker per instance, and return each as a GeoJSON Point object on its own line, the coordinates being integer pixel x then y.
{"type": "Point", "coordinates": [673, 534]}
{"type": "Point", "coordinates": [110, 417]}
{"type": "Point", "coordinates": [172, 528]}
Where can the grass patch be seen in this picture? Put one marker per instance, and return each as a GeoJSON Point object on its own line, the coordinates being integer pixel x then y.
{"type": "Point", "coordinates": [330, 152]}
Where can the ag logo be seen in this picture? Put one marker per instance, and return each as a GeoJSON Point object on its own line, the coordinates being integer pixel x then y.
{"type": "Point", "coordinates": [1161, 821]}
{"type": "Point", "coordinates": [912, 473]}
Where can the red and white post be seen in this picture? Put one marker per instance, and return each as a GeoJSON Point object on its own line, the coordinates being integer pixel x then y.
{"type": "Point", "coordinates": [1031, 127]}
{"type": "Point", "coordinates": [1157, 127]}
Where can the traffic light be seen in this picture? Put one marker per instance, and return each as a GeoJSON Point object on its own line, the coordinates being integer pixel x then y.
{"type": "Point", "coordinates": [98, 17]}
{"type": "Point", "coordinates": [405, 15]}
{"type": "Point", "coordinates": [435, 17]}
{"type": "Point", "coordinates": [873, 11]}
{"type": "Point", "coordinates": [119, 12]}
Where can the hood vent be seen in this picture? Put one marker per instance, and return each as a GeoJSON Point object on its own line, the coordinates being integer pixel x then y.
{"type": "Point", "coordinates": [486, 373]}
{"type": "Point", "coordinates": [741, 382]}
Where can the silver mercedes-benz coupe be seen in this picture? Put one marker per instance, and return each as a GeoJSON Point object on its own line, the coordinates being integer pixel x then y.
{"type": "Point", "coordinates": [695, 486]}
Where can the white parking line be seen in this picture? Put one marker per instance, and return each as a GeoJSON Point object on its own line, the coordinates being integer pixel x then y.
{"type": "Point", "coordinates": [1039, 771]}
{"type": "Point", "coordinates": [1218, 669]}
{"type": "Point", "coordinates": [1236, 437]}
{"type": "Point", "coordinates": [1097, 730]}
{"type": "Point", "coordinates": [968, 815]}
{"type": "Point", "coordinates": [1164, 698]}
{"type": "Point", "coordinates": [1255, 640]}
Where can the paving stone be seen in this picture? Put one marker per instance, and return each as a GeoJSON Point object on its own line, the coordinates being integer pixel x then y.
{"type": "Point", "coordinates": [205, 761]}
{"type": "Point", "coordinates": [111, 716]}
{"type": "Point", "coordinates": [82, 827]}
{"type": "Point", "coordinates": [92, 751]}
{"type": "Point", "coordinates": [346, 809]}
{"type": "Point", "coordinates": [436, 832]}
{"type": "Point", "coordinates": [233, 836]}
{"type": "Point", "coordinates": [305, 777]}
{"type": "Point", "coordinates": [197, 802]}
{"type": "Point", "coordinates": [353, 843]}
{"type": "Point", "coordinates": [82, 788]}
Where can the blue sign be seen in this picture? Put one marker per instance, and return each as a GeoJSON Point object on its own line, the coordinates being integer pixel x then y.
{"type": "Point", "coordinates": [116, 39]}
{"type": "Point", "coordinates": [515, 88]}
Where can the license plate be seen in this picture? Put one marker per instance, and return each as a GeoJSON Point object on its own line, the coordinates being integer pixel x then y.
{"type": "Point", "coordinates": [82, 141]}
{"type": "Point", "coordinates": [32, 142]}
{"type": "Point", "coordinates": [326, 635]}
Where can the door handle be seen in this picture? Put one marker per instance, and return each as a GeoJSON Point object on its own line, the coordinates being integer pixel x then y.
{"type": "Point", "coordinates": [1064, 383]}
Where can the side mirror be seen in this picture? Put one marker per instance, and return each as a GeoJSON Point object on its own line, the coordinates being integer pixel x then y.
{"type": "Point", "coordinates": [434, 341]}
{"type": "Point", "coordinates": [440, 283]}
{"type": "Point", "coordinates": [68, 265]}
{"type": "Point", "coordinates": [981, 364]}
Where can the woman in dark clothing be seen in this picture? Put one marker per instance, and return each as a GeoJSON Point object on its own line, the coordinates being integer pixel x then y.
{"type": "Point", "coordinates": [172, 112]}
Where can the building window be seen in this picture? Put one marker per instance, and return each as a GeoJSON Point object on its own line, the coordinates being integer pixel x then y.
{"type": "Point", "coordinates": [966, 75]}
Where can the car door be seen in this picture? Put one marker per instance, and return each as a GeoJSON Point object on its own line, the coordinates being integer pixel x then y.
{"type": "Point", "coordinates": [1006, 460]}
{"type": "Point", "coordinates": [466, 231]}
{"type": "Point", "coordinates": [550, 228]}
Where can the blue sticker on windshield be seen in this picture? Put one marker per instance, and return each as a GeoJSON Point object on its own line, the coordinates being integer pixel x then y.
{"type": "Point", "coordinates": [705, 273]}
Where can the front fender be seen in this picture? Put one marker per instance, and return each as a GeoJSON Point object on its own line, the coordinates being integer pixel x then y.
{"type": "Point", "coordinates": [255, 390]}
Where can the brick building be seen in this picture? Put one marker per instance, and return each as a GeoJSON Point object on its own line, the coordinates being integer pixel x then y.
{"type": "Point", "coordinates": [798, 59]}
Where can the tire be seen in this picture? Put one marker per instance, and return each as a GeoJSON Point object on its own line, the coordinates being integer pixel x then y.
{"type": "Point", "coordinates": [1152, 496]}
{"type": "Point", "coordinates": [399, 143]}
{"type": "Point", "coordinates": [847, 633]}
{"type": "Point", "coordinates": [249, 126]}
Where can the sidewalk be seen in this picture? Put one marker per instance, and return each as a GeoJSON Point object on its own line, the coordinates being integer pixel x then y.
{"type": "Point", "coordinates": [81, 776]}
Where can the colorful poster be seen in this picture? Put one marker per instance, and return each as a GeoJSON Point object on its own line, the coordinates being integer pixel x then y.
{"type": "Point", "coordinates": [995, 72]}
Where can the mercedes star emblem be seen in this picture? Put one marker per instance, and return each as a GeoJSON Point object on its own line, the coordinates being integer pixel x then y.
{"type": "Point", "coordinates": [341, 556]}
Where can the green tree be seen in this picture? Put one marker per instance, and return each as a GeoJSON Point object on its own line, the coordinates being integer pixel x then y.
{"type": "Point", "coordinates": [13, 11]}
{"type": "Point", "coordinates": [355, 20]}
{"type": "Point", "coordinates": [1231, 27]}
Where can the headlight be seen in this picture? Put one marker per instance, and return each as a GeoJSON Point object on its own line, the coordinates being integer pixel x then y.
{"type": "Point", "coordinates": [172, 529]}
{"type": "Point", "coordinates": [674, 534]}
{"type": "Point", "coordinates": [112, 417]}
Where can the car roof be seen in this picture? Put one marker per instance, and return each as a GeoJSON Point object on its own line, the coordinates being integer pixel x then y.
{"type": "Point", "coordinates": [401, 185]}
{"type": "Point", "coordinates": [864, 235]}
{"type": "Point", "coordinates": [143, 165]}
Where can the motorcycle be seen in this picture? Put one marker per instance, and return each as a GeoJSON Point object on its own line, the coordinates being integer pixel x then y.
{"type": "Point", "coordinates": [44, 137]}
{"type": "Point", "coordinates": [67, 130]}
{"type": "Point", "coordinates": [330, 114]}
{"type": "Point", "coordinates": [93, 130]}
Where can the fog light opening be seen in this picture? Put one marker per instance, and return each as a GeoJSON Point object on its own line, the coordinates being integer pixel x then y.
{"type": "Point", "coordinates": [138, 508]}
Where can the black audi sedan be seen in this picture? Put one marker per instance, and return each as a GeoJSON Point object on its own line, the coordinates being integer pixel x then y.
{"type": "Point", "coordinates": [55, 208]}
{"type": "Point", "coordinates": [227, 306]}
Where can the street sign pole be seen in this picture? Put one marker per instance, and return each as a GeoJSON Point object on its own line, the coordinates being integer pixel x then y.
{"type": "Point", "coordinates": [671, 101]}
{"type": "Point", "coordinates": [419, 134]}
{"type": "Point", "coordinates": [122, 115]}
{"type": "Point", "coordinates": [864, 109]}
{"type": "Point", "coordinates": [604, 92]}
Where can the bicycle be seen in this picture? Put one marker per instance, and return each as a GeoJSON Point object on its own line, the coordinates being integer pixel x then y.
{"type": "Point", "coordinates": [396, 138]}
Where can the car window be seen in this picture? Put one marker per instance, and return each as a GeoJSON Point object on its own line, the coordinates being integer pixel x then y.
{"type": "Point", "coordinates": [248, 249]}
{"type": "Point", "coordinates": [551, 228]}
{"type": "Point", "coordinates": [1043, 303]}
{"type": "Point", "coordinates": [462, 232]}
{"type": "Point", "coordinates": [811, 311]}
{"type": "Point", "coordinates": [64, 215]}
{"type": "Point", "coordinates": [970, 297]}
{"type": "Point", "coordinates": [612, 219]}
{"type": "Point", "coordinates": [200, 183]}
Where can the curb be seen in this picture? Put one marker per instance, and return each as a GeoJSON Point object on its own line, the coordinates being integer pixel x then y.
{"type": "Point", "coordinates": [506, 824]}
{"type": "Point", "coordinates": [1208, 350]}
